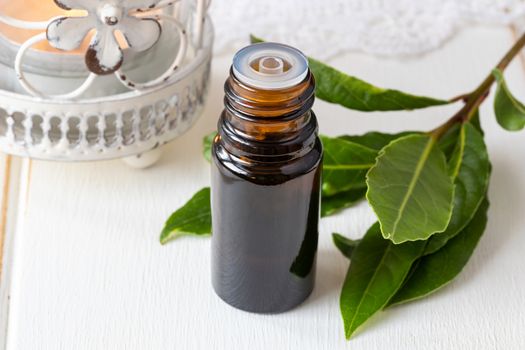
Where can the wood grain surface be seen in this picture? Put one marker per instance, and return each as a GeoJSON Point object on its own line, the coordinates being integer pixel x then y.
{"type": "Point", "coordinates": [86, 270]}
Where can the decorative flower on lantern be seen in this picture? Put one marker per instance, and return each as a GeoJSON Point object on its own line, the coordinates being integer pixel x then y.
{"type": "Point", "coordinates": [104, 55]}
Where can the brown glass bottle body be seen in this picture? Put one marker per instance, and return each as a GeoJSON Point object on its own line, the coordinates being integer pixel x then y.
{"type": "Point", "coordinates": [266, 171]}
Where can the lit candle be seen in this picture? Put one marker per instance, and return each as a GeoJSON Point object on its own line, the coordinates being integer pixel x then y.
{"type": "Point", "coordinates": [34, 11]}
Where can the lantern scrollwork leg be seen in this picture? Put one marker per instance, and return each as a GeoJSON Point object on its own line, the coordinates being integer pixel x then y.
{"type": "Point", "coordinates": [144, 160]}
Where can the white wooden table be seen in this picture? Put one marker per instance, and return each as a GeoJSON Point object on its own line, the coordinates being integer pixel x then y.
{"type": "Point", "coordinates": [83, 268]}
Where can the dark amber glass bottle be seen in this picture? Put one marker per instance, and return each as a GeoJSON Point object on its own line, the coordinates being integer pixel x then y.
{"type": "Point", "coordinates": [266, 173]}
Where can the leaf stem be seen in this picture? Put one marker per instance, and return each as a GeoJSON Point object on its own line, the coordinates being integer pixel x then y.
{"type": "Point", "coordinates": [476, 98]}
{"type": "Point", "coordinates": [463, 97]}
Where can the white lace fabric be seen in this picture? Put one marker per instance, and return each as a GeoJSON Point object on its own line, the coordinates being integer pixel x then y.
{"type": "Point", "coordinates": [327, 28]}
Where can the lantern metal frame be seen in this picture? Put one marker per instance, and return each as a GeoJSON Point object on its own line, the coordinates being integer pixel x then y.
{"type": "Point", "coordinates": [97, 119]}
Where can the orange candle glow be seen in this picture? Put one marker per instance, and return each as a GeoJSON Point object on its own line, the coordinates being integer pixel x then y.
{"type": "Point", "coordinates": [35, 11]}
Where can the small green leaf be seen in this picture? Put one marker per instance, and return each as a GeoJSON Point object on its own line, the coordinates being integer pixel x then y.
{"type": "Point", "coordinates": [436, 270]}
{"type": "Point", "coordinates": [410, 190]}
{"type": "Point", "coordinates": [350, 92]}
{"type": "Point", "coordinates": [207, 142]}
{"type": "Point", "coordinates": [375, 140]}
{"type": "Point", "coordinates": [333, 204]}
{"type": "Point", "coordinates": [255, 40]}
{"type": "Point", "coordinates": [345, 245]}
{"type": "Point", "coordinates": [345, 165]}
{"type": "Point", "coordinates": [469, 167]}
{"type": "Point", "coordinates": [510, 112]}
{"type": "Point", "coordinates": [194, 218]}
{"type": "Point", "coordinates": [376, 272]}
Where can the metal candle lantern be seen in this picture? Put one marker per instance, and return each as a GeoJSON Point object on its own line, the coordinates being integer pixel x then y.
{"type": "Point", "coordinates": [100, 79]}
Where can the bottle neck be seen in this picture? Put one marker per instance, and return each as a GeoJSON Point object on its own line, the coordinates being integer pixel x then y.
{"type": "Point", "coordinates": [268, 126]}
{"type": "Point", "coordinates": [268, 104]}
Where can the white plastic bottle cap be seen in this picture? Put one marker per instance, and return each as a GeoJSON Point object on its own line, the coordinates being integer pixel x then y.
{"type": "Point", "coordinates": [270, 66]}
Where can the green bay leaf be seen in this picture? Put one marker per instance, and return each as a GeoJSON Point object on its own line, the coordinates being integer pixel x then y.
{"type": "Point", "coordinates": [470, 168]}
{"type": "Point", "coordinates": [207, 142]}
{"type": "Point", "coordinates": [409, 189]}
{"type": "Point", "coordinates": [447, 142]}
{"type": "Point", "coordinates": [377, 270]}
{"type": "Point", "coordinates": [476, 122]}
{"type": "Point", "coordinates": [194, 218]}
{"type": "Point", "coordinates": [375, 140]}
{"type": "Point", "coordinates": [333, 204]}
{"type": "Point", "coordinates": [438, 269]}
{"type": "Point", "coordinates": [345, 164]}
{"type": "Point", "coordinates": [510, 112]}
{"type": "Point", "coordinates": [353, 93]}
{"type": "Point", "coordinates": [345, 245]}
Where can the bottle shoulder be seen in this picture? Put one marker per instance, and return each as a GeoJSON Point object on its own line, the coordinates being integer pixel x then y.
{"type": "Point", "coordinates": [267, 172]}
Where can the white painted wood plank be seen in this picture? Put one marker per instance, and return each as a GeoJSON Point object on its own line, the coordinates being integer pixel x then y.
{"type": "Point", "coordinates": [89, 272]}
{"type": "Point", "coordinates": [10, 174]}
{"type": "Point", "coordinates": [5, 170]}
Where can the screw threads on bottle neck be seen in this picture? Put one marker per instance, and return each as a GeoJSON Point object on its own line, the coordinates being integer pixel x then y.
{"type": "Point", "coordinates": [254, 102]}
